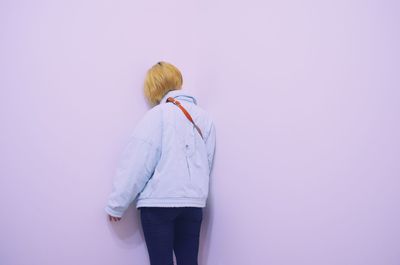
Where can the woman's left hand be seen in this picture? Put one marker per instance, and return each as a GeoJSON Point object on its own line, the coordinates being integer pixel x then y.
{"type": "Point", "coordinates": [113, 218]}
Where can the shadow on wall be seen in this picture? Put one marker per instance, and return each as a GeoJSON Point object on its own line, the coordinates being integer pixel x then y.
{"type": "Point", "coordinates": [205, 235]}
{"type": "Point", "coordinates": [128, 231]}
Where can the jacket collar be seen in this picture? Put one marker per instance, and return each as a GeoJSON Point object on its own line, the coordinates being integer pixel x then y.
{"type": "Point", "coordinates": [179, 94]}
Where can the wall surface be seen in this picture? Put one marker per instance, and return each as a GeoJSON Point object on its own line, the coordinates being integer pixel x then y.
{"type": "Point", "coordinates": [305, 96]}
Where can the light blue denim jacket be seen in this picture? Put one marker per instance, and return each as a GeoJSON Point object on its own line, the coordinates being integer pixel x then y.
{"type": "Point", "coordinates": [166, 163]}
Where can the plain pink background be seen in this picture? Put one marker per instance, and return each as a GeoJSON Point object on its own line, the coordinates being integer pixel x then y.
{"type": "Point", "coordinates": [305, 97]}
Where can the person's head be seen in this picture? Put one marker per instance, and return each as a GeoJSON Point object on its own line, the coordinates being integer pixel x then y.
{"type": "Point", "coordinates": [160, 79]}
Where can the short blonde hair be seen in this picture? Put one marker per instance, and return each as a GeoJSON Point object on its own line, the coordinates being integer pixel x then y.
{"type": "Point", "coordinates": [160, 79]}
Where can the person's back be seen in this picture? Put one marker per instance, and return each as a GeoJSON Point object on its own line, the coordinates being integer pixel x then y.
{"type": "Point", "coordinates": [166, 167]}
{"type": "Point", "coordinates": [181, 176]}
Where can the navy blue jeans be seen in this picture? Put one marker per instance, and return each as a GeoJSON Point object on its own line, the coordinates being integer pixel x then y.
{"type": "Point", "coordinates": [167, 230]}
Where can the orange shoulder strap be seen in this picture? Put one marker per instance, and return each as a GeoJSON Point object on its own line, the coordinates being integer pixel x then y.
{"type": "Point", "coordinates": [177, 103]}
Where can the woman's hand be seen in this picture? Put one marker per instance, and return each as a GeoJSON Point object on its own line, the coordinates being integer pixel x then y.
{"type": "Point", "coordinates": [113, 218]}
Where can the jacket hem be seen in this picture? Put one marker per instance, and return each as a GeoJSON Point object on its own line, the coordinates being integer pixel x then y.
{"type": "Point", "coordinates": [171, 202]}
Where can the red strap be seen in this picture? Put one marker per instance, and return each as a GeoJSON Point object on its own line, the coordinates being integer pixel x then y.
{"type": "Point", "coordinates": [177, 103]}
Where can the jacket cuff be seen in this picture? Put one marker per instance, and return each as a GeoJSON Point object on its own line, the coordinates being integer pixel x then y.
{"type": "Point", "coordinates": [113, 212]}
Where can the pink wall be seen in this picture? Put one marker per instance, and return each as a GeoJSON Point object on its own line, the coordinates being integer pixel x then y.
{"type": "Point", "coordinates": [305, 96]}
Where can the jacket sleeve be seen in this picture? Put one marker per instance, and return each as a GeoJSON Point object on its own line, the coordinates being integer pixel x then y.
{"type": "Point", "coordinates": [210, 145]}
{"type": "Point", "coordinates": [136, 166]}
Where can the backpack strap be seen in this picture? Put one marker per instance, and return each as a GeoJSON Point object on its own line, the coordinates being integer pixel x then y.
{"type": "Point", "coordinates": [177, 103]}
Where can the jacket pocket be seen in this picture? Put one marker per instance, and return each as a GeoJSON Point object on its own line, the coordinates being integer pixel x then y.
{"type": "Point", "coordinates": [190, 143]}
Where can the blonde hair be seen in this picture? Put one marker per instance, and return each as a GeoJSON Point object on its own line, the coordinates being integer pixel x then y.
{"type": "Point", "coordinates": [160, 79]}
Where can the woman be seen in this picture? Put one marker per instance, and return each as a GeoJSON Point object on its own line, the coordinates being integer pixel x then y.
{"type": "Point", "coordinates": [165, 168]}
